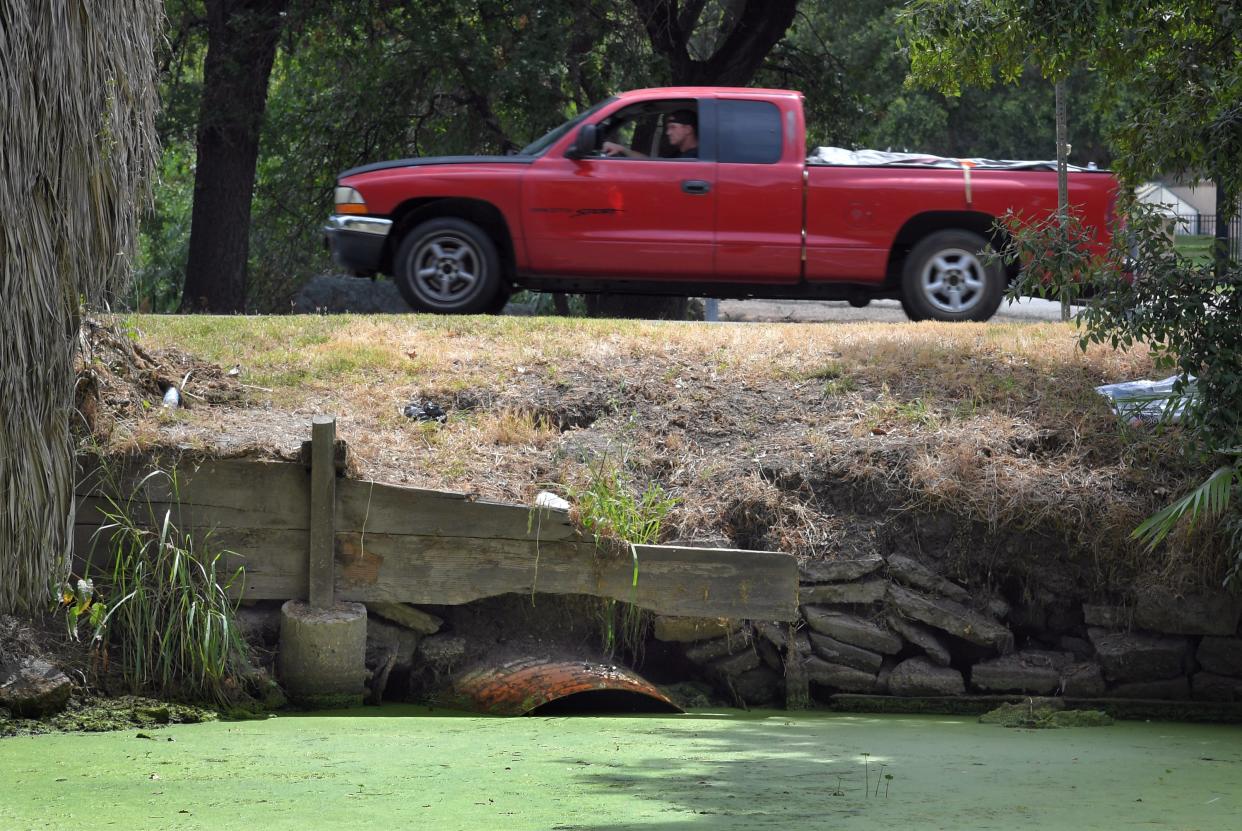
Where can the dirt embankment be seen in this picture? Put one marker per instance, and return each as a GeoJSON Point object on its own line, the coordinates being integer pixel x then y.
{"type": "Point", "coordinates": [984, 448]}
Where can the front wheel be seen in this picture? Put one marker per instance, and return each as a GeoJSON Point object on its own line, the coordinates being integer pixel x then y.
{"type": "Point", "coordinates": [448, 266]}
{"type": "Point", "coordinates": [946, 278]}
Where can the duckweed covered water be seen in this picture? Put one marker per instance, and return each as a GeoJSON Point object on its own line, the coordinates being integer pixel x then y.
{"type": "Point", "coordinates": [406, 767]}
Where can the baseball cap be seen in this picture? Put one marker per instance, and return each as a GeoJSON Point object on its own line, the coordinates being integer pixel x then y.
{"type": "Point", "coordinates": [682, 117]}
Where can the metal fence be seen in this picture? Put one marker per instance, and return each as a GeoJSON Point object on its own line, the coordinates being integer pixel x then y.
{"type": "Point", "coordinates": [1204, 225]}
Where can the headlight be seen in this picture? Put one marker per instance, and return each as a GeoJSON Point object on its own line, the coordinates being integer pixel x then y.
{"type": "Point", "coordinates": [349, 201]}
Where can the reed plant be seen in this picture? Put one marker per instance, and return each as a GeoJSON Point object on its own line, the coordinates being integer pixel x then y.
{"type": "Point", "coordinates": [169, 619]}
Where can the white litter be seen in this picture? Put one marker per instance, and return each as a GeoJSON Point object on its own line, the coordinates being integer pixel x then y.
{"type": "Point", "coordinates": [550, 501]}
{"type": "Point", "coordinates": [1149, 401]}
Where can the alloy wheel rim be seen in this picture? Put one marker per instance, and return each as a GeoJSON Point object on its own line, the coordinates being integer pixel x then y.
{"type": "Point", "coordinates": [446, 268]}
{"type": "Point", "coordinates": [953, 280]}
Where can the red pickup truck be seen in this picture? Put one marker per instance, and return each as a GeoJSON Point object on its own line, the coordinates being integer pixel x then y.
{"type": "Point", "coordinates": [603, 203]}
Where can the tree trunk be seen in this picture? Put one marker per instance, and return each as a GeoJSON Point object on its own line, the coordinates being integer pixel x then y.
{"type": "Point", "coordinates": [1226, 207]}
{"type": "Point", "coordinates": [750, 29]}
{"type": "Point", "coordinates": [241, 46]}
{"type": "Point", "coordinates": [79, 142]}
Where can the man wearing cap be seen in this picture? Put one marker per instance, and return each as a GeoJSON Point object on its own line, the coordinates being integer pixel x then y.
{"type": "Point", "coordinates": [681, 129]}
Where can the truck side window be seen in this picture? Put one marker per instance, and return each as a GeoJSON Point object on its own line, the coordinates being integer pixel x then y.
{"type": "Point", "coordinates": [642, 131]}
{"type": "Point", "coordinates": [750, 132]}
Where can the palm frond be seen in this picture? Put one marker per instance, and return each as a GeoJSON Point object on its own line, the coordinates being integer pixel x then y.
{"type": "Point", "coordinates": [1209, 500]}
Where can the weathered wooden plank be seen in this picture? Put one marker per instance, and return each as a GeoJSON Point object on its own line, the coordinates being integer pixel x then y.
{"type": "Point", "coordinates": [758, 585]}
{"type": "Point", "coordinates": [390, 509]}
{"type": "Point", "coordinates": [418, 546]}
{"type": "Point", "coordinates": [453, 570]}
{"type": "Point", "coordinates": [322, 512]}
{"type": "Point", "coordinates": [225, 492]}
{"type": "Point", "coordinates": [247, 494]}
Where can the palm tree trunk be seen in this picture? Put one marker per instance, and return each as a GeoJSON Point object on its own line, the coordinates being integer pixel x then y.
{"type": "Point", "coordinates": [77, 112]}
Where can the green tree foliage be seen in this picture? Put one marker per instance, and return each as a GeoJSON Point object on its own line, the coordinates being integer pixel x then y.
{"type": "Point", "coordinates": [1180, 68]}
{"type": "Point", "coordinates": [850, 63]}
{"type": "Point", "coordinates": [427, 79]}
{"type": "Point", "coordinates": [77, 108]}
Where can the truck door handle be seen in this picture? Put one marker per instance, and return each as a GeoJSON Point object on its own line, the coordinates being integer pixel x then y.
{"type": "Point", "coordinates": [696, 186]}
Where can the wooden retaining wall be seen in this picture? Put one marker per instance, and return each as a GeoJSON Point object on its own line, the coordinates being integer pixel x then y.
{"type": "Point", "coordinates": [392, 543]}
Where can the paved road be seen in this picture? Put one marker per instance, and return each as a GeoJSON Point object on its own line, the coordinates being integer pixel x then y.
{"type": "Point", "coordinates": [811, 311]}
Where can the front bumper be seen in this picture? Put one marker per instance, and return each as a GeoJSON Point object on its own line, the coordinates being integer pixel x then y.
{"type": "Point", "coordinates": [357, 242]}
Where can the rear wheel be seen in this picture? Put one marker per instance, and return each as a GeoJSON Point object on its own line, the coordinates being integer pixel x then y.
{"type": "Point", "coordinates": [947, 278]}
{"type": "Point", "coordinates": [448, 266]}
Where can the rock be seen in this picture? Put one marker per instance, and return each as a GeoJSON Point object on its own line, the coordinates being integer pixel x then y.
{"type": "Point", "coordinates": [914, 574]}
{"type": "Point", "coordinates": [1168, 689]}
{"type": "Point", "coordinates": [732, 665]}
{"type": "Point", "coordinates": [885, 673]}
{"type": "Point", "coordinates": [1084, 679]}
{"type": "Point", "coordinates": [32, 688]}
{"type": "Point", "coordinates": [838, 652]}
{"type": "Point", "coordinates": [408, 616]}
{"type": "Point", "coordinates": [922, 637]}
{"type": "Point", "coordinates": [1108, 617]}
{"type": "Point", "coordinates": [776, 634]}
{"type": "Point", "coordinates": [441, 652]}
{"type": "Point", "coordinates": [1081, 648]}
{"type": "Point", "coordinates": [259, 624]}
{"type": "Point", "coordinates": [994, 605]}
{"type": "Point", "coordinates": [675, 629]}
{"type": "Point", "coordinates": [758, 687]}
{"type": "Point", "coordinates": [1188, 613]}
{"type": "Point", "coordinates": [852, 630]}
{"type": "Point", "coordinates": [1135, 656]}
{"type": "Point", "coordinates": [690, 695]}
{"type": "Point", "coordinates": [1029, 671]}
{"type": "Point", "coordinates": [837, 571]}
{"type": "Point", "coordinates": [953, 618]}
{"type": "Point", "coordinates": [1208, 686]}
{"type": "Point", "coordinates": [838, 677]}
{"type": "Point", "coordinates": [858, 594]}
{"type": "Point", "coordinates": [385, 639]}
{"type": "Point", "coordinates": [770, 654]}
{"type": "Point", "coordinates": [1222, 656]}
{"type": "Point", "coordinates": [919, 676]}
{"type": "Point", "coordinates": [706, 651]}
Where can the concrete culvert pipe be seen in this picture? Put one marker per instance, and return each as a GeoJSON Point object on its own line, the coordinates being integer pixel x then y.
{"type": "Point", "coordinates": [545, 685]}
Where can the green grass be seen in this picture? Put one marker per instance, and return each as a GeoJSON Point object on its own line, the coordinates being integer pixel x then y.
{"type": "Point", "coordinates": [1197, 248]}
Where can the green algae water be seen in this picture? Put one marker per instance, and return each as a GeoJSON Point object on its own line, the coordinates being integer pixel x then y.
{"type": "Point", "coordinates": [406, 767]}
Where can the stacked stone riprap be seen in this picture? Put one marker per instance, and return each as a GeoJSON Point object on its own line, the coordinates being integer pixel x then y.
{"type": "Point", "coordinates": [744, 665]}
{"type": "Point", "coordinates": [895, 626]}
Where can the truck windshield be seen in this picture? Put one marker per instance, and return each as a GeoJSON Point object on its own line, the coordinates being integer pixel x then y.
{"type": "Point", "coordinates": [540, 145]}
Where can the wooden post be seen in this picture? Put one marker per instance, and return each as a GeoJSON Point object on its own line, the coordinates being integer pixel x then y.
{"type": "Point", "coordinates": [322, 512]}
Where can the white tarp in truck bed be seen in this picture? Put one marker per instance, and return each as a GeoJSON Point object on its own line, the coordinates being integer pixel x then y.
{"type": "Point", "coordinates": [883, 158]}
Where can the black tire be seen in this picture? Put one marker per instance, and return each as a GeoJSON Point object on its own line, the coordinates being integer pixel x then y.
{"type": "Point", "coordinates": [946, 278]}
{"type": "Point", "coordinates": [448, 266]}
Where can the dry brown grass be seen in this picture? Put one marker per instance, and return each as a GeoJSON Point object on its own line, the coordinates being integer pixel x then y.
{"type": "Point", "coordinates": [781, 435]}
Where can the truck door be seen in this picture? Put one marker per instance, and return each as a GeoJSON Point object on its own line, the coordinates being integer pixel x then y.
{"type": "Point", "coordinates": [648, 217]}
{"type": "Point", "coordinates": [759, 182]}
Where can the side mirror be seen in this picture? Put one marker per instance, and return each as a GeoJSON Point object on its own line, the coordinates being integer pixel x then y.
{"type": "Point", "coordinates": [586, 143]}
